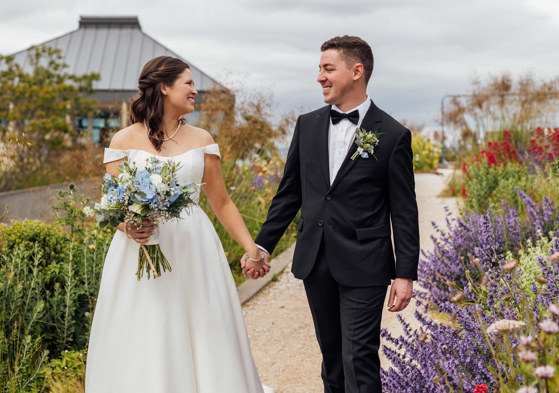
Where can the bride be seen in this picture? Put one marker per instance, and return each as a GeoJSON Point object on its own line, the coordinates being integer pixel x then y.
{"type": "Point", "coordinates": [183, 332]}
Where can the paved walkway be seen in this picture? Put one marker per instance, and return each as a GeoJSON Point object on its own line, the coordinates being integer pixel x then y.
{"type": "Point", "coordinates": [278, 318]}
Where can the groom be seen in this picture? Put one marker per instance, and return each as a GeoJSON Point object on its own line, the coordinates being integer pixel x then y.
{"type": "Point", "coordinates": [344, 252]}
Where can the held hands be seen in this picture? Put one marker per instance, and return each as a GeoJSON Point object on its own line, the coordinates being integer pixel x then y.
{"type": "Point", "coordinates": [401, 293]}
{"type": "Point", "coordinates": [257, 265]}
{"type": "Point", "coordinates": [139, 232]}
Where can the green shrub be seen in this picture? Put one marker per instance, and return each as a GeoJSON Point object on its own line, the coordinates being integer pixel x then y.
{"type": "Point", "coordinates": [50, 239]}
{"type": "Point", "coordinates": [46, 305]}
{"type": "Point", "coordinates": [22, 310]}
{"type": "Point", "coordinates": [486, 186]}
{"type": "Point", "coordinates": [67, 373]}
{"type": "Point", "coordinates": [528, 261]}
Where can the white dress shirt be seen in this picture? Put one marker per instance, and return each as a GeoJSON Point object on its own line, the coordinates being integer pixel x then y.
{"type": "Point", "coordinates": [341, 136]}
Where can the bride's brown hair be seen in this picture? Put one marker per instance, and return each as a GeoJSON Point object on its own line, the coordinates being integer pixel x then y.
{"type": "Point", "coordinates": [147, 106]}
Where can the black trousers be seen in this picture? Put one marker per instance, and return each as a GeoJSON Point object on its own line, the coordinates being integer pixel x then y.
{"type": "Point", "coordinates": [347, 324]}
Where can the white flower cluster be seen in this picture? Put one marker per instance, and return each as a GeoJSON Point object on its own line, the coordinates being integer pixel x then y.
{"type": "Point", "coordinates": [505, 325]}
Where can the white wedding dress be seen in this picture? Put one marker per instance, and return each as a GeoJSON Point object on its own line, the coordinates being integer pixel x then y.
{"type": "Point", "coordinates": [183, 332]}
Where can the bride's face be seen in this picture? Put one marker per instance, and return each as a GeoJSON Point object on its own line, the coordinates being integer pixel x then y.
{"type": "Point", "coordinates": [180, 96]}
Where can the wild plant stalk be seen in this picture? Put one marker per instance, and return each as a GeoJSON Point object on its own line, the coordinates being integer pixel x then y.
{"type": "Point", "coordinates": [69, 285]}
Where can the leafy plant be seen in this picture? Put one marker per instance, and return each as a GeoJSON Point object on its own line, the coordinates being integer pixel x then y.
{"type": "Point", "coordinates": [36, 108]}
{"type": "Point", "coordinates": [67, 373]}
{"type": "Point", "coordinates": [426, 154]}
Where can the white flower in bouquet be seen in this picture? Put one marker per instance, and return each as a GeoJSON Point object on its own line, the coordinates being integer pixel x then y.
{"type": "Point", "coordinates": [136, 208]}
{"type": "Point", "coordinates": [124, 177]}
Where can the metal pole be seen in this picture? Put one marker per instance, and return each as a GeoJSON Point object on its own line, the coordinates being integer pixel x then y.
{"type": "Point", "coordinates": [442, 130]}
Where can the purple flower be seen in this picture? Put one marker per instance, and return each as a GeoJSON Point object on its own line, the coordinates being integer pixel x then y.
{"type": "Point", "coordinates": [545, 372]}
{"type": "Point", "coordinates": [549, 326]}
{"type": "Point", "coordinates": [457, 349]}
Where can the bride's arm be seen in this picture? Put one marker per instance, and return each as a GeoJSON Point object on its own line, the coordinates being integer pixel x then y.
{"type": "Point", "coordinates": [225, 209]}
{"type": "Point", "coordinates": [140, 233]}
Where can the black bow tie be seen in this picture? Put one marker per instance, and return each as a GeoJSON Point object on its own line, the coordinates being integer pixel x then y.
{"type": "Point", "coordinates": [338, 116]}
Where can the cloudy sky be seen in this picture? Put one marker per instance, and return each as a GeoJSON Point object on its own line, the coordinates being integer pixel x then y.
{"type": "Point", "coordinates": [423, 49]}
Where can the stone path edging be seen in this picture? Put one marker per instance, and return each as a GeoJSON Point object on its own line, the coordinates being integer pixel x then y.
{"type": "Point", "coordinates": [250, 287]}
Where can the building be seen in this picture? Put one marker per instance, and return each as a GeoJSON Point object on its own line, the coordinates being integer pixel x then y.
{"type": "Point", "coordinates": [116, 48]}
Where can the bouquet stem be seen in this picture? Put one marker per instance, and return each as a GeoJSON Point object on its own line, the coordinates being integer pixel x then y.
{"type": "Point", "coordinates": [152, 255]}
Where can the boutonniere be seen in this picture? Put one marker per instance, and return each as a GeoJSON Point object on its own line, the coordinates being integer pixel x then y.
{"type": "Point", "coordinates": [366, 142]}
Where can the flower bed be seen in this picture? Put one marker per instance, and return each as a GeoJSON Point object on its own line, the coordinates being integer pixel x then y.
{"type": "Point", "coordinates": [488, 311]}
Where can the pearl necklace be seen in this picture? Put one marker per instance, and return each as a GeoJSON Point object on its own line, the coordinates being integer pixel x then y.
{"type": "Point", "coordinates": [167, 138]}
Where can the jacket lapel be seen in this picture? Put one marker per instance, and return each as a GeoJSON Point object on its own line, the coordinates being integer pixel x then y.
{"type": "Point", "coordinates": [321, 138]}
{"type": "Point", "coordinates": [371, 122]}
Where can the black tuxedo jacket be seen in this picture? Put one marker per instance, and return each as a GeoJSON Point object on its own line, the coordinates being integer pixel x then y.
{"type": "Point", "coordinates": [353, 216]}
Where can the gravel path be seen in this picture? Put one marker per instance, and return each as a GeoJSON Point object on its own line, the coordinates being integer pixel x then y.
{"type": "Point", "coordinates": [279, 322]}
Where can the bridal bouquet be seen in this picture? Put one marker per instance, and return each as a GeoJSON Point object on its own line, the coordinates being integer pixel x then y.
{"type": "Point", "coordinates": [152, 194]}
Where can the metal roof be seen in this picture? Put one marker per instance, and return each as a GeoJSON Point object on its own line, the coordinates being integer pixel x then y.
{"type": "Point", "coordinates": [114, 47]}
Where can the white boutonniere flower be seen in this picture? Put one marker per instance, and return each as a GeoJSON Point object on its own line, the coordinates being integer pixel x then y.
{"type": "Point", "coordinates": [366, 142]}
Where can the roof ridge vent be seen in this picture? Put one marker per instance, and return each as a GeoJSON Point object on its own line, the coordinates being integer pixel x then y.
{"type": "Point", "coordinates": [109, 21]}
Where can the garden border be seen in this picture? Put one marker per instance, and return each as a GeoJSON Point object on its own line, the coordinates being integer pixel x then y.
{"type": "Point", "coordinates": [248, 289]}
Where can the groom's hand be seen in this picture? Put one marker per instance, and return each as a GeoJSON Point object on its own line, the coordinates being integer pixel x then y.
{"type": "Point", "coordinates": [255, 269]}
{"type": "Point", "coordinates": [401, 292]}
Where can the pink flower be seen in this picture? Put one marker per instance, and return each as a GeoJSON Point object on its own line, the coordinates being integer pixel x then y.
{"type": "Point", "coordinates": [527, 356]}
{"type": "Point", "coordinates": [549, 326]}
{"type": "Point", "coordinates": [527, 389]}
{"type": "Point", "coordinates": [526, 340]}
{"type": "Point", "coordinates": [545, 372]}
{"type": "Point", "coordinates": [554, 309]}
{"type": "Point", "coordinates": [480, 388]}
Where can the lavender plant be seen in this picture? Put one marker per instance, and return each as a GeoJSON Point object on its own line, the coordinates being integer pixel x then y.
{"type": "Point", "coordinates": [470, 284]}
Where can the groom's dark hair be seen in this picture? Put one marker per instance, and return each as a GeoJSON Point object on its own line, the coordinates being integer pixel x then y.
{"type": "Point", "coordinates": [353, 50]}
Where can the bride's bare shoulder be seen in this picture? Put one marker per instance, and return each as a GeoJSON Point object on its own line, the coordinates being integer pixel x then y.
{"type": "Point", "coordinates": [202, 136]}
{"type": "Point", "coordinates": [128, 137]}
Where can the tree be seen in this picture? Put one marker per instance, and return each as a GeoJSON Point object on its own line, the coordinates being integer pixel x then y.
{"type": "Point", "coordinates": [242, 123]}
{"type": "Point", "coordinates": [36, 112]}
{"type": "Point", "coordinates": [503, 104]}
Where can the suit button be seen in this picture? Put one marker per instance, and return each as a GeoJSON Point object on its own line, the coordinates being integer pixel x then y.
{"type": "Point", "coordinates": [320, 223]}
{"type": "Point", "coordinates": [328, 197]}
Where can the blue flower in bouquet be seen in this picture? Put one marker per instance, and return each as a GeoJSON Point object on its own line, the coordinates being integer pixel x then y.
{"type": "Point", "coordinates": [177, 192]}
{"type": "Point", "coordinates": [145, 185]}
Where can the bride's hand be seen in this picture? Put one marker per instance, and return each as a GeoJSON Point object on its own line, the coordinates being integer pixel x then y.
{"type": "Point", "coordinates": [140, 232]}
{"type": "Point", "coordinates": [255, 267]}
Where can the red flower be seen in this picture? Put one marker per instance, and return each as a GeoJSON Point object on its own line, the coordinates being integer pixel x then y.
{"type": "Point", "coordinates": [464, 192]}
{"type": "Point", "coordinates": [481, 388]}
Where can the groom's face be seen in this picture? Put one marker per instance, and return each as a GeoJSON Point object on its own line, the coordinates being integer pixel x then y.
{"type": "Point", "coordinates": [336, 78]}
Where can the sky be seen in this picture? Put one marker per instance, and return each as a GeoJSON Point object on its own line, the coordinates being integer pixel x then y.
{"type": "Point", "coordinates": [423, 50]}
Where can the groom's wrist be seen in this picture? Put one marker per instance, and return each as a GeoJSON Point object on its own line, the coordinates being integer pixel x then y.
{"type": "Point", "coordinates": [263, 249]}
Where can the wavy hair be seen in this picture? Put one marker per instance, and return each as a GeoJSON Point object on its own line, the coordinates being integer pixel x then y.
{"type": "Point", "coordinates": [147, 105]}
